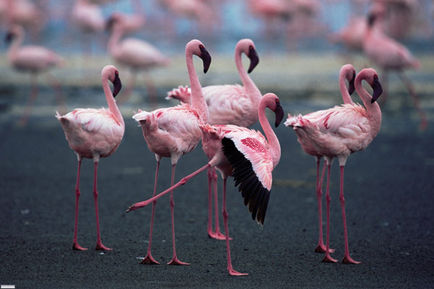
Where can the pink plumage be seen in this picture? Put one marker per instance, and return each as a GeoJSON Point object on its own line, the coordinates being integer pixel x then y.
{"type": "Point", "coordinates": [172, 132]}
{"type": "Point", "coordinates": [228, 104]}
{"type": "Point", "coordinates": [339, 132]}
{"type": "Point", "coordinates": [246, 155]}
{"type": "Point", "coordinates": [94, 133]}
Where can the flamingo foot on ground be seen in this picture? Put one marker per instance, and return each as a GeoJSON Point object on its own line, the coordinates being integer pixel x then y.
{"type": "Point", "coordinates": [217, 236]}
{"type": "Point", "coordinates": [101, 247]}
{"type": "Point", "coordinates": [176, 261]}
{"type": "Point", "coordinates": [329, 259]}
{"type": "Point", "coordinates": [149, 260]}
{"type": "Point", "coordinates": [77, 247]}
{"type": "Point", "coordinates": [322, 249]}
{"type": "Point", "coordinates": [233, 272]}
{"type": "Point", "coordinates": [349, 260]}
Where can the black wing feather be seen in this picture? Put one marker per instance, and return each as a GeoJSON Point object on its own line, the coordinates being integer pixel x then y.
{"type": "Point", "coordinates": [255, 196]}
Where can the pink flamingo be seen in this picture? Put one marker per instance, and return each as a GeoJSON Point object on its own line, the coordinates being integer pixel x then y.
{"type": "Point", "coordinates": [33, 59]}
{"type": "Point", "coordinates": [94, 133]}
{"type": "Point", "coordinates": [391, 56]}
{"type": "Point", "coordinates": [228, 104]}
{"type": "Point", "coordinates": [246, 155]}
{"type": "Point", "coordinates": [348, 73]}
{"type": "Point", "coordinates": [339, 132]}
{"type": "Point", "coordinates": [173, 132]}
{"type": "Point", "coordinates": [133, 53]}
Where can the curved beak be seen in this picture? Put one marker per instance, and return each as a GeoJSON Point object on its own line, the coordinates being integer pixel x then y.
{"type": "Point", "coordinates": [351, 84]}
{"type": "Point", "coordinates": [254, 58]}
{"type": "Point", "coordinates": [117, 85]}
{"type": "Point", "coordinates": [206, 58]}
{"type": "Point", "coordinates": [279, 114]}
{"type": "Point", "coordinates": [109, 23]}
{"type": "Point", "coordinates": [378, 90]}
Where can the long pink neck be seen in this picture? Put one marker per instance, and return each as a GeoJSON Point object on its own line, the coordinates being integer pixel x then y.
{"type": "Point", "coordinates": [113, 107]}
{"type": "Point", "coordinates": [113, 42]}
{"type": "Point", "coordinates": [269, 133]}
{"type": "Point", "coordinates": [248, 83]}
{"type": "Point", "coordinates": [197, 101]}
{"type": "Point", "coordinates": [346, 97]}
{"type": "Point", "coordinates": [15, 45]}
{"type": "Point", "coordinates": [373, 109]}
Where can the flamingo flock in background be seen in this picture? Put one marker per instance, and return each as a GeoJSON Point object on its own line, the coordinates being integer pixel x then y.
{"type": "Point", "coordinates": [33, 59]}
{"type": "Point", "coordinates": [136, 54]}
{"type": "Point", "coordinates": [94, 134]}
{"type": "Point", "coordinates": [172, 132]}
{"type": "Point", "coordinates": [337, 133]}
{"type": "Point", "coordinates": [228, 104]}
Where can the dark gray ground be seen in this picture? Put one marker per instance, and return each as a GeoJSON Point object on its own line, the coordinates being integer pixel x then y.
{"type": "Point", "coordinates": [389, 194]}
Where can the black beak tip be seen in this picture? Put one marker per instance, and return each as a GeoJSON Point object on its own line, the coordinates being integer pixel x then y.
{"type": "Point", "coordinates": [206, 58]}
{"type": "Point", "coordinates": [9, 36]}
{"type": "Point", "coordinates": [254, 59]}
{"type": "Point", "coordinates": [377, 90]}
{"type": "Point", "coordinates": [117, 85]}
{"type": "Point", "coordinates": [279, 115]}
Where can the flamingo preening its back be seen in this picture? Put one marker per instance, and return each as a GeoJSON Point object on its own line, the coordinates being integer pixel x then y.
{"type": "Point", "coordinates": [338, 132]}
{"type": "Point", "coordinates": [246, 155]}
{"type": "Point", "coordinates": [228, 104]}
{"type": "Point", "coordinates": [172, 132]}
{"type": "Point", "coordinates": [94, 133]}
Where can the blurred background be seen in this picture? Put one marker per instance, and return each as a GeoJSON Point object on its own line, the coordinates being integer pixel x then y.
{"type": "Point", "coordinates": [301, 45]}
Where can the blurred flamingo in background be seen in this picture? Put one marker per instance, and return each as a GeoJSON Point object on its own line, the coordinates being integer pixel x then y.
{"type": "Point", "coordinates": [339, 132]}
{"type": "Point", "coordinates": [228, 104]}
{"type": "Point", "coordinates": [173, 132]}
{"type": "Point", "coordinates": [26, 14]}
{"type": "Point", "coordinates": [33, 59]}
{"type": "Point", "coordinates": [94, 133]}
{"type": "Point", "coordinates": [348, 73]}
{"type": "Point", "coordinates": [391, 56]}
{"type": "Point", "coordinates": [134, 53]}
{"type": "Point", "coordinates": [246, 155]}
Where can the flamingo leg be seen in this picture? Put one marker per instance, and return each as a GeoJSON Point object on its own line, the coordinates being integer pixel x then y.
{"type": "Point", "coordinates": [183, 181]}
{"type": "Point", "coordinates": [99, 244]}
{"type": "Point", "coordinates": [30, 100]}
{"type": "Point", "coordinates": [327, 257]}
{"type": "Point", "coordinates": [212, 179]}
{"type": "Point", "coordinates": [175, 260]}
{"type": "Point", "coordinates": [75, 245]}
{"type": "Point", "coordinates": [210, 185]}
{"type": "Point", "coordinates": [416, 102]}
{"type": "Point", "coordinates": [231, 270]}
{"type": "Point", "coordinates": [148, 258]}
{"type": "Point", "coordinates": [347, 259]}
{"type": "Point", "coordinates": [320, 248]}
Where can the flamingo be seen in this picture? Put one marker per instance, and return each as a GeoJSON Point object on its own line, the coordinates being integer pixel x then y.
{"type": "Point", "coordinates": [391, 56]}
{"type": "Point", "coordinates": [33, 59]}
{"type": "Point", "coordinates": [338, 132]}
{"type": "Point", "coordinates": [173, 132]}
{"type": "Point", "coordinates": [133, 53]}
{"type": "Point", "coordinates": [347, 72]}
{"type": "Point", "coordinates": [94, 134]}
{"type": "Point", "coordinates": [228, 104]}
{"type": "Point", "coordinates": [246, 155]}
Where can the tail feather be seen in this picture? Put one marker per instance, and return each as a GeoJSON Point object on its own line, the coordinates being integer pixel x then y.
{"type": "Point", "coordinates": [182, 93]}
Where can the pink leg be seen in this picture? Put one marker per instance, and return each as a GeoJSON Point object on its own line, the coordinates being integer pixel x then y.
{"type": "Point", "coordinates": [421, 112]}
{"type": "Point", "coordinates": [175, 260]}
{"type": "Point", "coordinates": [99, 245]}
{"type": "Point", "coordinates": [30, 101]}
{"type": "Point", "coordinates": [327, 257]}
{"type": "Point", "coordinates": [210, 185]}
{"type": "Point", "coordinates": [347, 259]}
{"type": "Point", "coordinates": [320, 248]}
{"type": "Point", "coordinates": [149, 259]}
{"type": "Point", "coordinates": [228, 248]}
{"type": "Point", "coordinates": [212, 179]}
{"type": "Point", "coordinates": [183, 181]}
{"type": "Point", "coordinates": [75, 245]}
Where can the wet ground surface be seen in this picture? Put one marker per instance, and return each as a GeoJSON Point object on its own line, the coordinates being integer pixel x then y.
{"type": "Point", "coordinates": [389, 198]}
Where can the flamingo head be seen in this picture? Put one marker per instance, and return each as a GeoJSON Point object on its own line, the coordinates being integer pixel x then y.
{"type": "Point", "coordinates": [117, 84]}
{"type": "Point", "coordinates": [12, 33]}
{"type": "Point", "coordinates": [247, 46]}
{"type": "Point", "coordinates": [112, 21]}
{"type": "Point", "coordinates": [197, 48]}
{"type": "Point", "coordinates": [254, 59]}
{"type": "Point", "coordinates": [351, 80]}
{"type": "Point", "coordinates": [111, 73]}
{"type": "Point", "coordinates": [278, 111]}
{"type": "Point", "coordinates": [272, 102]}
